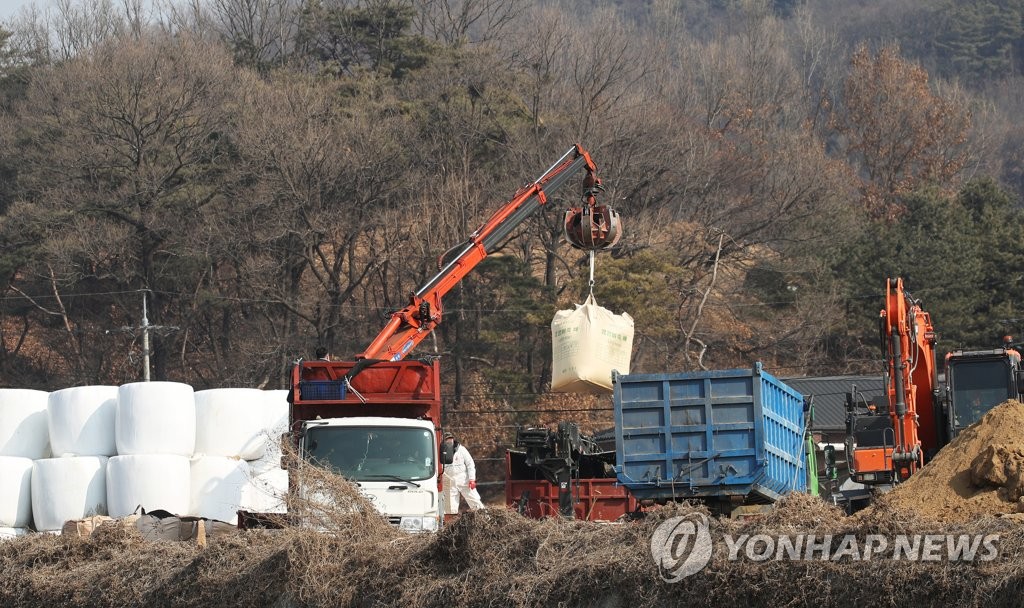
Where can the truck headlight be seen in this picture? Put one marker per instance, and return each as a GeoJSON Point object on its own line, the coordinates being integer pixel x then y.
{"type": "Point", "coordinates": [418, 524]}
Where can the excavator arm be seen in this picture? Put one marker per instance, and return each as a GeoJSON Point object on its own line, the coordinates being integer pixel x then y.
{"type": "Point", "coordinates": [593, 227]}
{"type": "Point", "coordinates": [908, 346]}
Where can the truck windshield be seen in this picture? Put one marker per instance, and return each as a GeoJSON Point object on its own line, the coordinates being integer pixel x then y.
{"type": "Point", "coordinates": [372, 453]}
{"type": "Point", "coordinates": [977, 387]}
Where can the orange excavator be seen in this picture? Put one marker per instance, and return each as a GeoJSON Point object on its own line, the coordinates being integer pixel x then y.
{"type": "Point", "coordinates": [887, 449]}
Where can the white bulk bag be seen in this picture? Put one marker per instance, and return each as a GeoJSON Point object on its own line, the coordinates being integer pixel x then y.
{"type": "Point", "coordinates": [67, 488]}
{"type": "Point", "coordinates": [15, 492]}
{"type": "Point", "coordinates": [150, 481]}
{"type": "Point", "coordinates": [217, 487]}
{"type": "Point", "coordinates": [266, 492]}
{"type": "Point", "coordinates": [81, 421]}
{"type": "Point", "coordinates": [23, 431]}
{"type": "Point", "coordinates": [155, 418]}
{"type": "Point", "coordinates": [230, 423]}
{"type": "Point", "coordinates": [586, 345]}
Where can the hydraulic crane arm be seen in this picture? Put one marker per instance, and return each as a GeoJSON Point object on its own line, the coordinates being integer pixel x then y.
{"type": "Point", "coordinates": [410, 325]}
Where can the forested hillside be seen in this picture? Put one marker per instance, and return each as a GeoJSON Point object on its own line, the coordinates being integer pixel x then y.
{"type": "Point", "coordinates": [279, 174]}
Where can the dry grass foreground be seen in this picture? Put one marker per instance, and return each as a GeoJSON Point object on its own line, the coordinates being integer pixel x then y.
{"type": "Point", "coordinates": [343, 554]}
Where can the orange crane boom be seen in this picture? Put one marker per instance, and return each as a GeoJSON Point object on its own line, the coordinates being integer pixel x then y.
{"type": "Point", "coordinates": [412, 324]}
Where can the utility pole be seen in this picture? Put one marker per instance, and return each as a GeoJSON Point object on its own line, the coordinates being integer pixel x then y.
{"type": "Point", "coordinates": [145, 340]}
{"type": "Point", "coordinates": [146, 328]}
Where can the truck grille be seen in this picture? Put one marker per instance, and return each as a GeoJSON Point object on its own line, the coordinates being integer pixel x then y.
{"type": "Point", "coordinates": [394, 521]}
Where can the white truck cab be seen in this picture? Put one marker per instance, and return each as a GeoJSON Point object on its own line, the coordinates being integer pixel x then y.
{"type": "Point", "coordinates": [394, 461]}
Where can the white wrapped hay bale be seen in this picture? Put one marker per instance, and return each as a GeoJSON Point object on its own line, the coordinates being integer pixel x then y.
{"type": "Point", "coordinates": [266, 492]}
{"type": "Point", "coordinates": [230, 423]}
{"type": "Point", "coordinates": [586, 345]}
{"type": "Point", "coordinates": [275, 423]}
{"type": "Point", "coordinates": [12, 533]}
{"type": "Point", "coordinates": [217, 487]}
{"type": "Point", "coordinates": [15, 492]}
{"type": "Point", "coordinates": [81, 421]}
{"type": "Point", "coordinates": [23, 431]}
{"type": "Point", "coordinates": [155, 418]}
{"type": "Point", "coordinates": [150, 481]}
{"type": "Point", "coordinates": [67, 488]}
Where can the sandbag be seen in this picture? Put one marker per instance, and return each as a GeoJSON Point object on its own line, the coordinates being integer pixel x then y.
{"type": "Point", "coordinates": [149, 481]}
{"type": "Point", "coordinates": [587, 344]}
{"type": "Point", "coordinates": [15, 492]}
{"type": "Point", "coordinates": [161, 525]}
{"type": "Point", "coordinates": [217, 487]}
{"type": "Point", "coordinates": [67, 488]}
{"type": "Point", "coordinates": [83, 528]}
{"type": "Point", "coordinates": [23, 431]}
{"type": "Point", "coordinates": [230, 423]}
{"type": "Point", "coordinates": [81, 421]}
{"type": "Point", "coordinates": [266, 492]}
{"type": "Point", "coordinates": [155, 418]}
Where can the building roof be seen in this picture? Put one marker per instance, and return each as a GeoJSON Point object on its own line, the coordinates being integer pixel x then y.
{"type": "Point", "coordinates": [828, 396]}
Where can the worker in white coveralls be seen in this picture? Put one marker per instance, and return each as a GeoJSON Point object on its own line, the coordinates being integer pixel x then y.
{"type": "Point", "coordinates": [460, 478]}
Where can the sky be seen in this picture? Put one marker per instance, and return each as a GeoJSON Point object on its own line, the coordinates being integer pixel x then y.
{"type": "Point", "coordinates": [8, 8]}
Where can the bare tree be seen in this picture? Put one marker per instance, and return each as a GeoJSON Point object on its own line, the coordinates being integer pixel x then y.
{"type": "Point", "coordinates": [141, 128]}
{"type": "Point", "coordinates": [457, 22]}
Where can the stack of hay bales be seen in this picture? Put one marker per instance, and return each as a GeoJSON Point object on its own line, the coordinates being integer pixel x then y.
{"type": "Point", "coordinates": [141, 446]}
{"type": "Point", "coordinates": [23, 439]}
{"type": "Point", "coordinates": [72, 484]}
{"type": "Point", "coordinates": [231, 432]}
{"type": "Point", "coordinates": [155, 432]}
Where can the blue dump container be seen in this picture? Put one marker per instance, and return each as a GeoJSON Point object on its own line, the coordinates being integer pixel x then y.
{"type": "Point", "coordinates": [734, 435]}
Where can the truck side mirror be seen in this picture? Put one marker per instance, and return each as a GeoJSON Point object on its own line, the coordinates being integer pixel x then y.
{"type": "Point", "coordinates": [1020, 382]}
{"type": "Point", "coordinates": [447, 452]}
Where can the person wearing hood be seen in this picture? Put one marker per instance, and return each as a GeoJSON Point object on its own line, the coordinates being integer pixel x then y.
{"type": "Point", "coordinates": [460, 478]}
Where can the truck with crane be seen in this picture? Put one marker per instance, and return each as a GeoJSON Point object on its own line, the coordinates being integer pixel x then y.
{"type": "Point", "coordinates": [377, 420]}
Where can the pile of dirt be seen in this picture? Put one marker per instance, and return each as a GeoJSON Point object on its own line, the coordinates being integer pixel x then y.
{"type": "Point", "coordinates": [978, 474]}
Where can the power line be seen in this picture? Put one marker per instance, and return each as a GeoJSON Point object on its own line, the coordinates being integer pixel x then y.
{"type": "Point", "coordinates": [532, 411]}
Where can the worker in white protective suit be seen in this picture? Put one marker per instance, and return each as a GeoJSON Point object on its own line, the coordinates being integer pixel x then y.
{"type": "Point", "coordinates": [460, 478]}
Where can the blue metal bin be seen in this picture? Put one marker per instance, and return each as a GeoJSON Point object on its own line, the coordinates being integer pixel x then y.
{"type": "Point", "coordinates": [734, 435]}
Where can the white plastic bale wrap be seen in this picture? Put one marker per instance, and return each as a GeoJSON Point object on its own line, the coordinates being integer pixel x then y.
{"type": "Point", "coordinates": [12, 533]}
{"type": "Point", "coordinates": [230, 423]}
{"type": "Point", "coordinates": [275, 424]}
{"type": "Point", "coordinates": [67, 488]}
{"type": "Point", "coordinates": [150, 481]}
{"type": "Point", "coordinates": [23, 431]}
{"type": "Point", "coordinates": [586, 345]}
{"type": "Point", "coordinates": [15, 492]}
{"type": "Point", "coordinates": [217, 487]}
{"type": "Point", "coordinates": [266, 492]}
{"type": "Point", "coordinates": [155, 418]}
{"type": "Point", "coordinates": [81, 421]}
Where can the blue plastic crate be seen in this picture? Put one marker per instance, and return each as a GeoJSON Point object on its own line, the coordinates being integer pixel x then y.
{"type": "Point", "coordinates": [322, 390]}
